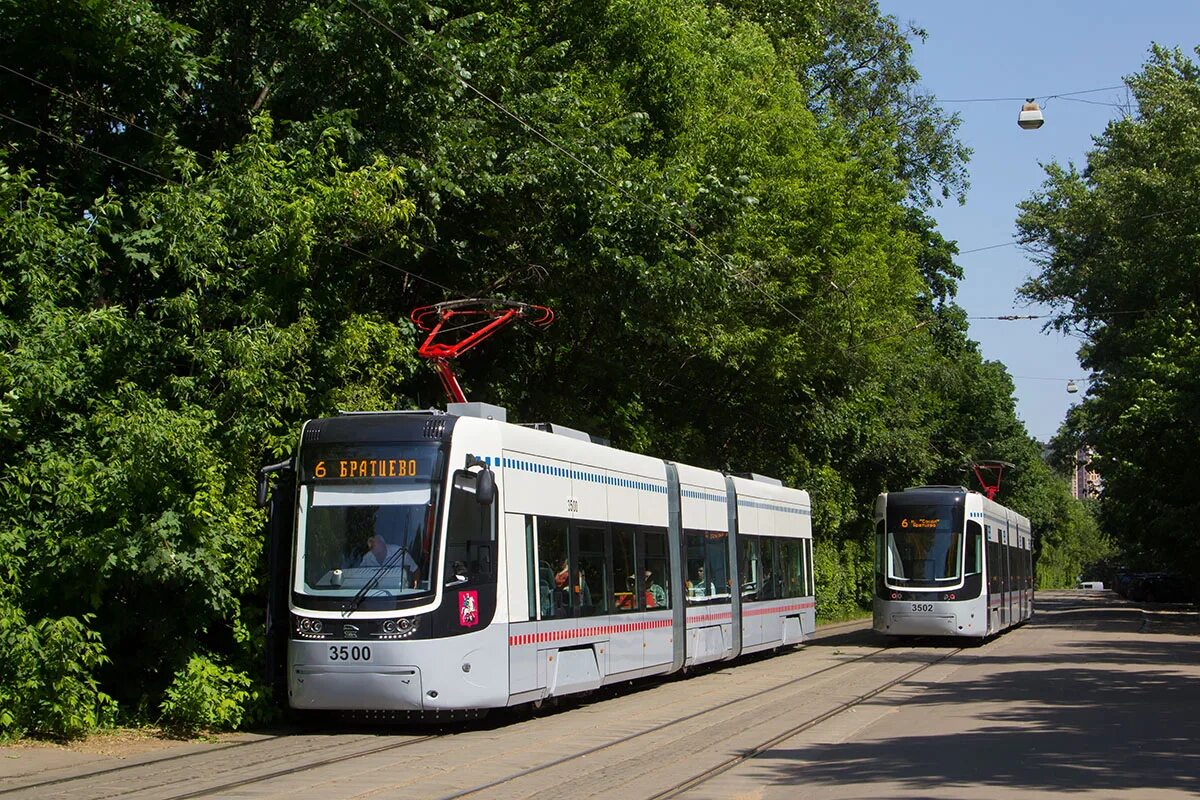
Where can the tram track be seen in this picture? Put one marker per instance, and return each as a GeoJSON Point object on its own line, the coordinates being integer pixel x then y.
{"type": "Point", "coordinates": [128, 776]}
{"type": "Point", "coordinates": [292, 757]}
{"type": "Point", "coordinates": [763, 747]}
{"type": "Point", "coordinates": [126, 767]}
{"type": "Point", "coordinates": [491, 785]}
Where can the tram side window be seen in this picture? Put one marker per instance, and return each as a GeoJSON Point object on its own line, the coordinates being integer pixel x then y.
{"type": "Point", "coordinates": [652, 544]}
{"type": "Point", "coordinates": [748, 549]}
{"type": "Point", "coordinates": [626, 592]}
{"type": "Point", "coordinates": [707, 565]}
{"type": "Point", "coordinates": [974, 548]}
{"type": "Point", "coordinates": [470, 533]}
{"type": "Point", "coordinates": [809, 583]}
{"type": "Point", "coordinates": [593, 588]}
{"type": "Point", "coordinates": [554, 575]}
{"type": "Point", "coordinates": [717, 555]}
{"type": "Point", "coordinates": [993, 566]}
{"type": "Point", "coordinates": [1011, 552]}
{"type": "Point", "coordinates": [768, 589]}
{"type": "Point", "coordinates": [789, 565]}
{"type": "Point", "coordinates": [531, 568]}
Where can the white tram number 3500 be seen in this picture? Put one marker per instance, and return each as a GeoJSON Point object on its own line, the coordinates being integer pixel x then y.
{"type": "Point", "coordinates": [349, 652]}
{"type": "Point", "coordinates": [922, 606]}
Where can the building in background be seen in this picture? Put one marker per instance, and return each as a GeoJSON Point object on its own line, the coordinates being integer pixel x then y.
{"type": "Point", "coordinates": [1085, 481]}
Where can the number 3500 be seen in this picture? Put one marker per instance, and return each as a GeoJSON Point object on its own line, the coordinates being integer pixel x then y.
{"type": "Point", "coordinates": [349, 653]}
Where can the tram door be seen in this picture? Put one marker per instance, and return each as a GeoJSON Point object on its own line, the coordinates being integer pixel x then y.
{"type": "Point", "coordinates": [1005, 583]}
{"type": "Point", "coordinates": [1010, 598]}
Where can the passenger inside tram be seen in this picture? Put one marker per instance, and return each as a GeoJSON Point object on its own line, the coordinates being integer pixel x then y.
{"type": "Point", "coordinates": [700, 587]}
{"type": "Point", "coordinates": [656, 596]}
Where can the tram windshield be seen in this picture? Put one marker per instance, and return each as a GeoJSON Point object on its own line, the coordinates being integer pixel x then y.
{"type": "Point", "coordinates": [367, 537]}
{"type": "Point", "coordinates": [924, 543]}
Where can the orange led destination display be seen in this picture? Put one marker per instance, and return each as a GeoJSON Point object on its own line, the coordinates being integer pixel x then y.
{"type": "Point", "coordinates": [368, 463]}
{"type": "Point", "coordinates": [344, 468]}
{"type": "Point", "coordinates": [920, 523]}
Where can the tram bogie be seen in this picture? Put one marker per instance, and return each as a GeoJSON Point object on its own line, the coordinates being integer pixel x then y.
{"type": "Point", "coordinates": [431, 562]}
{"type": "Point", "coordinates": [950, 562]}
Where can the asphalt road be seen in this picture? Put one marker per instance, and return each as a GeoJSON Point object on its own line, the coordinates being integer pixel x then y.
{"type": "Point", "coordinates": [1092, 699]}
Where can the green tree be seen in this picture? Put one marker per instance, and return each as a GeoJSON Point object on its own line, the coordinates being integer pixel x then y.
{"type": "Point", "coordinates": [1116, 244]}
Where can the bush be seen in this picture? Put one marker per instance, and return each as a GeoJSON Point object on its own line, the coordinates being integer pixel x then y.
{"type": "Point", "coordinates": [843, 573]}
{"type": "Point", "coordinates": [205, 695]}
{"type": "Point", "coordinates": [46, 683]}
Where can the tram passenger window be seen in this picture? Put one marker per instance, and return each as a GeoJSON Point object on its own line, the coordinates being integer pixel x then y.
{"type": "Point", "coordinates": [656, 572]}
{"type": "Point", "coordinates": [789, 565]}
{"type": "Point", "coordinates": [531, 568]}
{"type": "Point", "coordinates": [626, 592]}
{"type": "Point", "coordinates": [593, 589]}
{"type": "Point", "coordinates": [716, 557]}
{"type": "Point", "coordinates": [699, 582]}
{"type": "Point", "coordinates": [812, 570]}
{"type": "Point", "coordinates": [974, 548]}
{"type": "Point", "coordinates": [748, 547]}
{"type": "Point", "coordinates": [768, 590]}
{"type": "Point", "coordinates": [993, 567]}
{"type": "Point", "coordinates": [805, 560]}
{"type": "Point", "coordinates": [554, 574]}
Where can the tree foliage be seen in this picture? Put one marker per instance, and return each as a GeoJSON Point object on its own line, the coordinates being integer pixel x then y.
{"type": "Point", "coordinates": [1117, 244]}
{"type": "Point", "coordinates": [216, 216]}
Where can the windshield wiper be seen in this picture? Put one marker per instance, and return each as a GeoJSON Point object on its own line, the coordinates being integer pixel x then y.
{"type": "Point", "coordinates": [388, 563]}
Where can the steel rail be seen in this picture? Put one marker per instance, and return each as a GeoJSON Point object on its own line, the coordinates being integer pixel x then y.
{"type": "Point", "coordinates": [763, 747]}
{"type": "Point", "coordinates": [660, 727]}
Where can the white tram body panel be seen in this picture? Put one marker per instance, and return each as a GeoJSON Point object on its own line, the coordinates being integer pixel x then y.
{"type": "Point", "coordinates": [591, 565]}
{"type": "Point", "coordinates": [767, 510]}
{"type": "Point", "coordinates": [950, 562]}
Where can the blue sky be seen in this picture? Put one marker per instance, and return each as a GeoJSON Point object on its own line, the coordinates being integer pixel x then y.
{"type": "Point", "coordinates": [1027, 49]}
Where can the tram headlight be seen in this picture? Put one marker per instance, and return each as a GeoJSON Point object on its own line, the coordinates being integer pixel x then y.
{"type": "Point", "coordinates": [399, 628]}
{"type": "Point", "coordinates": [307, 626]}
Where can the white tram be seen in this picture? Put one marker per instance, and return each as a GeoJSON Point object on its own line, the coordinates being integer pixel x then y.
{"type": "Point", "coordinates": [436, 562]}
{"type": "Point", "coordinates": [950, 562]}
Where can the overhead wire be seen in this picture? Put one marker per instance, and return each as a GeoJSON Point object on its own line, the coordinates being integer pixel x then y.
{"type": "Point", "coordinates": [93, 150]}
{"type": "Point", "coordinates": [172, 180]}
{"type": "Point", "coordinates": [1025, 97]}
{"type": "Point", "coordinates": [80, 101]}
{"type": "Point", "coordinates": [503, 109]}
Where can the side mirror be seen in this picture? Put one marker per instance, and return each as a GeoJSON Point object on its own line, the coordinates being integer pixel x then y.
{"type": "Point", "coordinates": [264, 483]}
{"type": "Point", "coordinates": [485, 487]}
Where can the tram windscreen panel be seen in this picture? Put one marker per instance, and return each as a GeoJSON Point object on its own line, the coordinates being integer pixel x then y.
{"type": "Point", "coordinates": [354, 533]}
{"type": "Point", "coordinates": [924, 543]}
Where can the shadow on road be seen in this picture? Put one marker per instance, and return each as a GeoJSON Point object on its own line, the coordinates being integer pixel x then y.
{"type": "Point", "coordinates": [1123, 715]}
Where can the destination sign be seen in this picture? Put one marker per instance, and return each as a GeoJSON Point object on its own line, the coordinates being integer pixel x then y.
{"type": "Point", "coordinates": [365, 468]}
{"type": "Point", "coordinates": [368, 463]}
{"type": "Point", "coordinates": [919, 523]}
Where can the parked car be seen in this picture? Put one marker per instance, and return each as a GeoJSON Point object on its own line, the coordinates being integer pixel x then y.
{"type": "Point", "coordinates": [1160, 587]}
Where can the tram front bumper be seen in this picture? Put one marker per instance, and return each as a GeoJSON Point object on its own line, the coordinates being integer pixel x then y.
{"type": "Point", "coordinates": [353, 687]}
{"type": "Point", "coordinates": [909, 624]}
